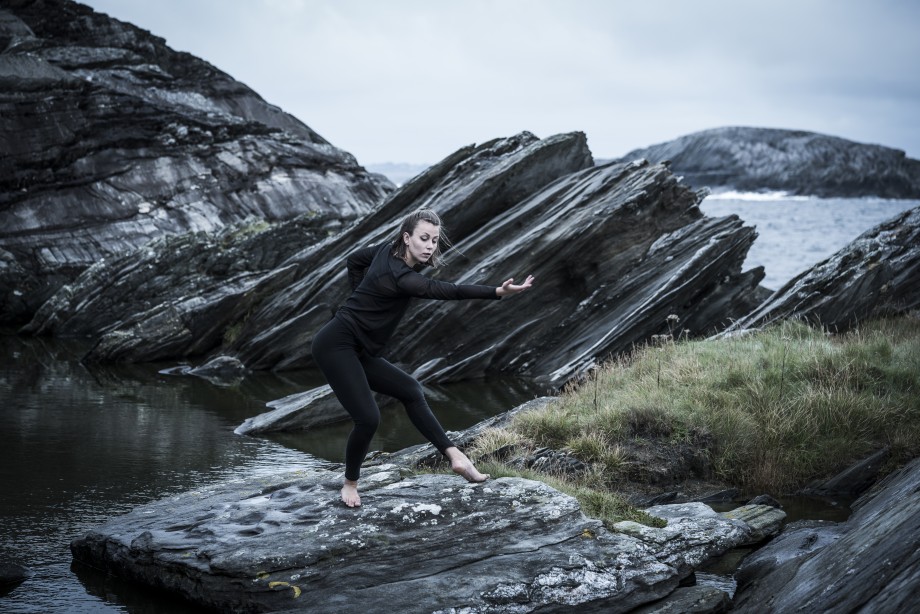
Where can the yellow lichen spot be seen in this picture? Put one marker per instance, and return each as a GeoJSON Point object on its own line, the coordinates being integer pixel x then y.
{"type": "Point", "coordinates": [296, 591]}
{"type": "Point", "coordinates": [276, 584]}
{"type": "Point", "coordinates": [261, 575]}
{"type": "Point", "coordinates": [588, 534]}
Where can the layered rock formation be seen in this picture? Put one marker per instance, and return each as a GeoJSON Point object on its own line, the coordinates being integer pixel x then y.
{"type": "Point", "coordinates": [419, 543]}
{"type": "Point", "coordinates": [877, 274]}
{"type": "Point", "coordinates": [110, 139]}
{"type": "Point", "coordinates": [616, 249]}
{"type": "Point", "coordinates": [793, 161]}
{"type": "Point", "coordinates": [868, 564]}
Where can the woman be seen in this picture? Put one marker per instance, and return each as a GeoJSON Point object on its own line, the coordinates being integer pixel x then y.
{"type": "Point", "coordinates": [347, 349]}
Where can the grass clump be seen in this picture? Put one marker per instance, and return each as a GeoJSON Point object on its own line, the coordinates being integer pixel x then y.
{"type": "Point", "coordinates": [775, 408]}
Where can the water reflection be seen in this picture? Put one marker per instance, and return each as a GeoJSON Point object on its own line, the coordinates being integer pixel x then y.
{"type": "Point", "coordinates": [81, 444]}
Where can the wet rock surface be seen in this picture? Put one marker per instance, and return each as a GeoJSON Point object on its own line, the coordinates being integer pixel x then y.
{"type": "Point", "coordinates": [111, 139]}
{"type": "Point", "coordinates": [870, 563]}
{"type": "Point", "coordinates": [419, 543]}
{"type": "Point", "coordinates": [793, 161]}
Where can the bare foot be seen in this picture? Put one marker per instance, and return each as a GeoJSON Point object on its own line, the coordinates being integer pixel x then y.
{"type": "Point", "coordinates": [350, 494]}
{"type": "Point", "coordinates": [461, 465]}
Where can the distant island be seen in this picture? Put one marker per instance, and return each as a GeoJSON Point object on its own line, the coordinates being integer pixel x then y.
{"type": "Point", "coordinates": [792, 161]}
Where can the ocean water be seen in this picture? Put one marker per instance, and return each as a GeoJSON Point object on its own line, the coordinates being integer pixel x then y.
{"type": "Point", "coordinates": [797, 232]}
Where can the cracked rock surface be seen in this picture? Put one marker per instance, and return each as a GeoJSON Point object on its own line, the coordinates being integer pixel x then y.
{"type": "Point", "coordinates": [419, 542]}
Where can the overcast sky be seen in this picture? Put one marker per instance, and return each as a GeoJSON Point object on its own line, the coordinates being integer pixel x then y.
{"type": "Point", "coordinates": [414, 80]}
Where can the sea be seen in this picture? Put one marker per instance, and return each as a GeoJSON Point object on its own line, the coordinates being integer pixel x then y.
{"type": "Point", "coordinates": [81, 444]}
{"type": "Point", "coordinates": [797, 232]}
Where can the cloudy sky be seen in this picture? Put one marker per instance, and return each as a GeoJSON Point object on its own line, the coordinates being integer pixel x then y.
{"type": "Point", "coordinates": [413, 80]}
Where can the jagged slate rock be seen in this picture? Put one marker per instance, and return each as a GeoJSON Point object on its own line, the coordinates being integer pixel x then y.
{"type": "Point", "coordinates": [172, 270]}
{"type": "Point", "coordinates": [111, 139]}
{"type": "Point", "coordinates": [189, 326]}
{"type": "Point", "coordinates": [877, 274]}
{"type": "Point", "coordinates": [793, 161]}
{"type": "Point", "coordinates": [797, 539]}
{"type": "Point", "coordinates": [218, 366]}
{"type": "Point", "coordinates": [615, 250]}
{"type": "Point", "coordinates": [470, 190]}
{"type": "Point", "coordinates": [12, 573]}
{"type": "Point", "coordinates": [287, 413]}
{"type": "Point", "coordinates": [854, 480]}
{"type": "Point", "coordinates": [872, 565]}
{"type": "Point", "coordinates": [690, 600]}
{"type": "Point", "coordinates": [419, 543]}
{"type": "Point", "coordinates": [694, 534]}
{"type": "Point", "coordinates": [272, 324]}
{"type": "Point", "coordinates": [765, 520]}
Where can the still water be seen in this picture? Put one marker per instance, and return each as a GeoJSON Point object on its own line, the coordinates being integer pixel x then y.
{"type": "Point", "coordinates": [80, 445]}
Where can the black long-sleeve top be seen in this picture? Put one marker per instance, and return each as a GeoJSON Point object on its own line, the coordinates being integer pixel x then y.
{"type": "Point", "coordinates": [382, 286]}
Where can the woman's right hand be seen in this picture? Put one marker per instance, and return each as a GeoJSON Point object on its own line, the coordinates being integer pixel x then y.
{"type": "Point", "coordinates": [509, 287]}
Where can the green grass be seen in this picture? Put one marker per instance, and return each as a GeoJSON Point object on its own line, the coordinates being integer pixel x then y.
{"type": "Point", "coordinates": [777, 408]}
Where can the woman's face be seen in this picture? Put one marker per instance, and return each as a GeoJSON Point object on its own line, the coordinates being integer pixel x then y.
{"type": "Point", "coordinates": [422, 243]}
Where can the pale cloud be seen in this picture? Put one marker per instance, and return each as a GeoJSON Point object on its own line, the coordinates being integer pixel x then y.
{"type": "Point", "coordinates": [413, 80]}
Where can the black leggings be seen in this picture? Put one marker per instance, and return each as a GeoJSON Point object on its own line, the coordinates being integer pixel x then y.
{"type": "Point", "coordinates": [352, 375]}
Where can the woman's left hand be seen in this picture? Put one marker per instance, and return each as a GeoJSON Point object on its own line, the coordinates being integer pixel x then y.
{"type": "Point", "coordinates": [509, 287]}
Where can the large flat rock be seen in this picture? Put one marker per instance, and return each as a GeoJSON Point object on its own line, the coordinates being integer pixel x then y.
{"type": "Point", "coordinates": [420, 543]}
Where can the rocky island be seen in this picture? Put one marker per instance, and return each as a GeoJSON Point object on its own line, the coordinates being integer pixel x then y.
{"type": "Point", "coordinates": [793, 161]}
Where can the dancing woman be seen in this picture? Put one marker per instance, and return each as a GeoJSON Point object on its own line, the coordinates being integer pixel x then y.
{"type": "Point", "coordinates": [347, 349]}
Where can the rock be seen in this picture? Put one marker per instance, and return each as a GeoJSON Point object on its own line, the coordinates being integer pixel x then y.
{"type": "Point", "coordinates": [546, 199]}
{"type": "Point", "coordinates": [877, 274]}
{"type": "Point", "coordinates": [798, 539]}
{"type": "Point", "coordinates": [420, 543]}
{"type": "Point", "coordinates": [722, 496]}
{"type": "Point", "coordinates": [688, 523]}
{"type": "Point", "coordinates": [550, 462]}
{"type": "Point", "coordinates": [689, 600]}
{"type": "Point", "coordinates": [793, 161]}
{"type": "Point", "coordinates": [765, 500]}
{"type": "Point", "coordinates": [668, 260]}
{"type": "Point", "coordinates": [765, 521]}
{"type": "Point", "coordinates": [869, 563]}
{"type": "Point", "coordinates": [854, 480]}
{"type": "Point", "coordinates": [12, 574]}
{"type": "Point", "coordinates": [287, 413]}
{"type": "Point", "coordinates": [111, 139]}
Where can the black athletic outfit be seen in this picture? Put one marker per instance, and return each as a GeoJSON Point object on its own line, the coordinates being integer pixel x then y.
{"type": "Point", "coordinates": [347, 349]}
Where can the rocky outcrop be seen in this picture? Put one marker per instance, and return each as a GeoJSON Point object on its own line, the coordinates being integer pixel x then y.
{"type": "Point", "coordinates": [12, 574]}
{"type": "Point", "coordinates": [868, 564]}
{"type": "Point", "coordinates": [877, 274]}
{"type": "Point", "coordinates": [419, 542]}
{"type": "Point", "coordinates": [852, 481]}
{"type": "Point", "coordinates": [110, 139]}
{"type": "Point", "coordinates": [616, 250]}
{"type": "Point", "coordinates": [793, 161]}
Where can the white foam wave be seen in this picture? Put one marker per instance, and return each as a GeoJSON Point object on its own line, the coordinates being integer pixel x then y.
{"type": "Point", "coordinates": [755, 196]}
